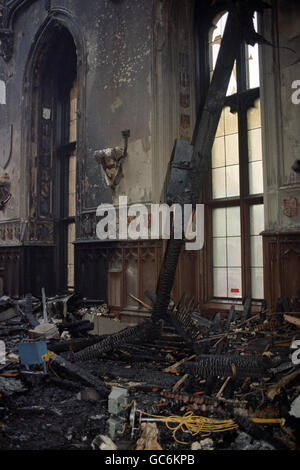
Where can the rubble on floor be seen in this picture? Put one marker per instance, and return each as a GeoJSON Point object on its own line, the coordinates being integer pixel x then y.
{"type": "Point", "coordinates": [194, 381]}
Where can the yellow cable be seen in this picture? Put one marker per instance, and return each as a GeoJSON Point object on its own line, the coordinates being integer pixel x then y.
{"type": "Point", "coordinates": [124, 427]}
{"type": "Point", "coordinates": [47, 356]}
{"type": "Point", "coordinates": [200, 424]}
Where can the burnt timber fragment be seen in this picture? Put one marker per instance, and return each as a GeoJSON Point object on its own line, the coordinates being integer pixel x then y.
{"type": "Point", "coordinates": [202, 322]}
{"type": "Point", "coordinates": [28, 311]}
{"type": "Point", "coordinates": [256, 431]}
{"type": "Point", "coordinates": [139, 333]}
{"type": "Point", "coordinates": [230, 318]}
{"type": "Point", "coordinates": [228, 366]}
{"type": "Point", "coordinates": [80, 374]}
{"type": "Point", "coordinates": [183, 321]}
{"type": "Point", "coordinates": [247, 309]}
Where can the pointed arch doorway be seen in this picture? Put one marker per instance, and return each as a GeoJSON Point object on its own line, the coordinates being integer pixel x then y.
{"type": "Point", "coordinates": [53, 161]}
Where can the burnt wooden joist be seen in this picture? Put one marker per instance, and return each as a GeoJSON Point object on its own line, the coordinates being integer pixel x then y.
{"type": "Point", "coordinates": [138, 333]}
{"type": "Point", "coordinates": [79, 373]}
{"type": "Point", "coordinates": [137, 374]}
{"type": "Point", "coordinates": [228, 366]}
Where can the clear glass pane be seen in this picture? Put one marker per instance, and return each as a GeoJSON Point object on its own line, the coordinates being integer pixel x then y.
{"type": "Point", "coordinates": [234, 282]}
{"type": "Point", "coordinates": [215, 52]}
{"type": "Point", "coordinates": [219, 252]}
{"type": "Point", "coordinates": [232, 149]}
{"type": "Point", "coordinates": [218, 183]}
{"type": "Point", "coordinates": [256, 251]}
{"type": "Point", "coordinates": [233, 221]}
{"type": "Point", "coordinates": [219, 222]}
{"type": "Point", "coordinates": [253, 61]}
{"type": "Point", "coordinates": [253, 66]}
{"type": "Point", "coordinates": [257, 222]}
{"type": "Point", "coordinates": [220, 282]}
{"type": "Point", "coordinates": [231, 121]}
{"type": "Point", "coordinates": [256, 184]}
{"type": "Point", "coordinates": [218, 153]}
{"type": "Point", "coordinates": [216, 34]}
{"type": "Point", "coordinates": [232, 181]}
{"type": "Point", "coordinates": [257, 283]}
{"type": "Point", "coordinates": [254, 145]}
{"type": "Point", "coordinates": [232, 87]}
{"type": "Point", "coordinates": [227, 252]}
{"type": "Point", "coordinates": [234, 252]}
{"type": "Point", "coordinates": [254, 115]}
{"type": "Point", "coordinates": [221, 125]}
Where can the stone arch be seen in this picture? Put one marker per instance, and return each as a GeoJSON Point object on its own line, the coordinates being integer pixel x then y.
{"type": "Point", "coordinates": [57, 20]}
{"type": "Point", "coordinates": [57, 42]}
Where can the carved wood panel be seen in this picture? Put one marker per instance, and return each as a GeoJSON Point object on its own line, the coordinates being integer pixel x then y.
{"type": "Point", "coordinates": [281, 266]}
{"type": "Point", "coordinates": [112, 271]}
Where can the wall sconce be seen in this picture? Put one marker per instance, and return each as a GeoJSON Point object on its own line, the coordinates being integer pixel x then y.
{"type": "Point", "coordinates": [111, 161]}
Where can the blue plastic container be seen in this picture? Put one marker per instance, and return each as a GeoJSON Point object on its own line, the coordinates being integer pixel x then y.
{"type": "Point", "coordinates": [32, 353]}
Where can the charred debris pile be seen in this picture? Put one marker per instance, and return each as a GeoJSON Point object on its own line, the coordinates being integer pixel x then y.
{"type": "Point", "coordinates": [190, 381]}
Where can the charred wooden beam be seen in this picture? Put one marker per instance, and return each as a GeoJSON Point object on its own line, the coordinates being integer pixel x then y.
{"type": "Point", "coordinates": [201, 153]}
{"type": "Point", "coordinates": [257, 432]}
{"type": "Point", "coordinates": [74, 345]}
{"type": "Point", "coordinates": [28, 311]}
{"type": "Point", "coordinates": [136, 374]}
{"type": "Point", "coordinates": [228, 366]}
{"type": "Point", "coordinates": [139, 333]}
{"type": "Point", "coordinates": [80, 374]}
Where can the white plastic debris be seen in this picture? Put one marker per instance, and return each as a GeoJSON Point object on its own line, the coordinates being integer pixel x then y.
{"type": "Point", "coordinates": [295, 407]}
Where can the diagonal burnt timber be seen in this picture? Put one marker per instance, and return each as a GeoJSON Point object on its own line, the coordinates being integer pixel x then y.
{"type": "Point", "coordinates": [191, 162]}
{"type": "Point", "coordinates": [139, 333]}
{"type": "Point", "coordinates": [201, 153]}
